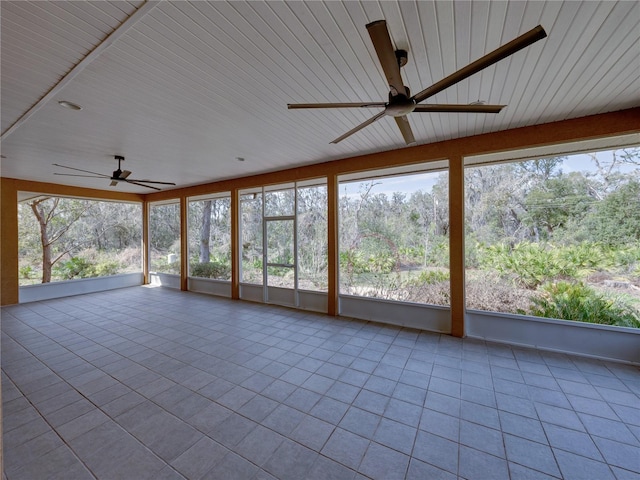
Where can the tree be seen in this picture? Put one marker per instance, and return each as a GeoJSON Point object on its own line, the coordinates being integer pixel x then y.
{"type": "Point", "coordinates": [616, 219]}
{"type": "Point", "coordinates": [553, 202]}
{"type": "Point", "coordinates": [205, 232]}
{"type": "Point", "coordinates": [54, 223]}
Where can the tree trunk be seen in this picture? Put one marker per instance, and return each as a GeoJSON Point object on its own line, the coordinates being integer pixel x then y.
{"type": "Point", "coordinates": [205, 233]}
{"type": "Point", "coordinates": [44, 239]}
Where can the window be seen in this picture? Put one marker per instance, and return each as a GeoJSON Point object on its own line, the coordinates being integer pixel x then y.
{"type": "Point", "coordinates": [164, 238]}
{"type": "Point", "coordinates": [251, 236]}
{"type": "Point", "coordinates": [69, 238]}
{"type": "Point", "coordinates": [210, 238]}
{"type": "Point", "coordinates": [312, 237]}
{"type": "Point", "coordinates": [394, 237]}
{"type": "Point", "coordinates": [294, 226]}
{"type": "Point", "coordinates": [556, 237]}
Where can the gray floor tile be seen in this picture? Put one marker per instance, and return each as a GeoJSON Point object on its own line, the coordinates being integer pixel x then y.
{"type": "Point", "coordinates": [619, 454]}
{"type": "Point", "coordinates": [482, 438]}
{"type": "Point", "coordinates": [395, 435]}
{"type": "Point", "coordinates": [437, 451]}
{"type": "Point", "coordinates": [572, 441]}
{"type": "Point", "coordinates": [407, 404]}
{"type": "Point", "coordinates": [419, 470]}
{"type": "Point", "coordinates": [232, 467]}
{"type": "Point", "coordinates": [477, 465]}
{"type": "Point", "coordinates": [199, 458]}
{"type": "Point", "coordinates": [260, 445]}
{"type": "Point", "coordinates": [283, 419]}
{"type": "Point", "coordinates": [382, 463]}
{"type": "Point", "coordinates": [524, 427]}
{"type": "Point", "coordinates": [531, 454]}
{"type": "Point", "coordinates": [438, 423]}
{"type": "Point", "coordinates": [327, 469]}
{"type": "Point", "coordinates": [312, 432]}
{"type": "Point", "coordinates": [575, 467]}
{"type": "Point", "coordinates": [291, 461]}
{"type": "Point", "coordinates": [562, 417]}
{"type": "Point", "coordinates": [346, 448]}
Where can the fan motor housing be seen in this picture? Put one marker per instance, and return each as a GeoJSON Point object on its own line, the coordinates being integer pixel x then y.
{"type": "Point", "coordinates": [400, 105]}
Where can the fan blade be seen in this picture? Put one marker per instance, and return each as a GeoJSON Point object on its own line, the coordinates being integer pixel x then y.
{"type": "Point", "coordinates": [80, 170]}
{"type": "Point", "coordinates": [489, 59]}
{"type": "Point", "coordinates": [336, 105]}
{"type": "Point", "coordinates": [132, 180]}
{"type": "Point", "coordinates": [77, 175]}
{"type": "Point", "coordinates": [359, 127]}
{"type": "Point", "coordinates": [459, 108]}
{"type": "Point", "coordinates": [125, 174]}
{"type": "Point", "coordinates": [113, 183]}
{"type": "Point", "coordinates": [386, 54]}
{"type": "Point", "coordinates": [405, 129]}
{"type": "Point", "coordinates": [142, 184]}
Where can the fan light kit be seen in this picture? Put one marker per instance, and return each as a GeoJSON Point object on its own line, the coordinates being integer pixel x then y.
{"type": "Point", "coordinates": [401, 102]}
{"type": "Point", "coordinates": [117, 176]}
{"type": "Point", "coordinates": [69, 105]}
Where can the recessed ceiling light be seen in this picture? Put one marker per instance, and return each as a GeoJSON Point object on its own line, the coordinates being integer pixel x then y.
{"type": "Point", "coordinates": [240, 159]}
{"type": "Point", "coordinates": [69, 105]}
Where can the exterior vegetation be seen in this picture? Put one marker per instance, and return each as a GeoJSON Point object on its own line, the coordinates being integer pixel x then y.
{"type": "Point", "coordinates": [210, 238]}
{"type": "Point", "coordinates": [164, 238]}
{"type": "Point", "coordinates": [549, 237]}
{"type": "Point", "coordinates": [68, 238]}
{"type": "Point", "coordinates": [556, 237]}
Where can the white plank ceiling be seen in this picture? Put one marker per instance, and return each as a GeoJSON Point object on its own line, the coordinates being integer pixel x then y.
{"type": "Point", "coordinates": [182, 89]}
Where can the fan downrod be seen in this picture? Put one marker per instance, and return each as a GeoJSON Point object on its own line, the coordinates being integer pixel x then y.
{"type": "Point", "coordinates": [118, 172]}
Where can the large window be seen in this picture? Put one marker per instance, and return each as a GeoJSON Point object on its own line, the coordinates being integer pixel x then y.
{"type": "Point", "coordinates": [312, 237]}
{"type": "Point", "coordinates": [289, 233]}
{"type": "Point", "coordinates": [251, 236]}
{"type": "Point", "coordinates": [164, 238]}
{"type": "Point", "coordinates": [69, 238]}
{"type": "Point", "coordinates": [394, 237]}
{"type": "Point", "coordinates": [210, 237]}
{"type": "Point", "coordinates": [556, 237]}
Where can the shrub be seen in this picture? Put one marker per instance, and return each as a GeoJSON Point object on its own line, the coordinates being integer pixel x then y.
{"type": "Point", "coordinates": [429, 277]}
{"type": "Point", "coordinates": [104, 269]}
{"type": "Point", "coordinates": [214, 269]}
{"type": "Point", "coordinates": [579, 302]}
{"type": "Point", "coordinates": [26, 272]}
{"type": "Point", "coordinates": [75, 267]}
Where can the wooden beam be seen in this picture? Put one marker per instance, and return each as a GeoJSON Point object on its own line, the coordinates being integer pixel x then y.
{"type": "Point", "coordinates": [184, 244]}
{"type": "Point", "coordinates": [8, 242]}
{"type": "Point", "coordinates": [456, 245]}
{"type": "Point", "coordinates": [332, 245]}
{"type": "Point", "coordinates": [145, 242]}
{"type": "Point", "coordinates": [236, 248]}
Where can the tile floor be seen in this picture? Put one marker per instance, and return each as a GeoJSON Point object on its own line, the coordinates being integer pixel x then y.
{"type": "Point", "coordinates": [153, 383]}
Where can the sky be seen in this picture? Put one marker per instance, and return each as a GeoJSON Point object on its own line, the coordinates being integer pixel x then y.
{"type": "Point", "coordinates": [425, 181]}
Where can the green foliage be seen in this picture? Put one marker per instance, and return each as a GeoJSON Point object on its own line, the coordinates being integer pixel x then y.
{"type": "Point", "coordinates": [78, 267]}
{"type": "Point", "coordinates": [356, 262]}
{"type": "Point", "coordinates": [555, 201]}
{"type": "Point", "coordinates": [104, 269]}
{"type": "Point", "coordinates": [616, 219]}
{"type": "Point", "coordinates": [532, 264]}
{"type": "Point", "coordinates": [75, 267]}
{"type": "Point", "coordinates": [214, 269]}
{"type": "Point", "coordinates": [579, 302]}
{"type": "Point", "coordinates": [26, 272]}
{"type": "Point", "coordinates": [430, 277]}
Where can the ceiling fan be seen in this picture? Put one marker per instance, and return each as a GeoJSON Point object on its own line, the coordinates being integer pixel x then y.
{"type": "Point", "coordinates": [400, 100]}
{"type": "Point", "coordinates": [117, 176]}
